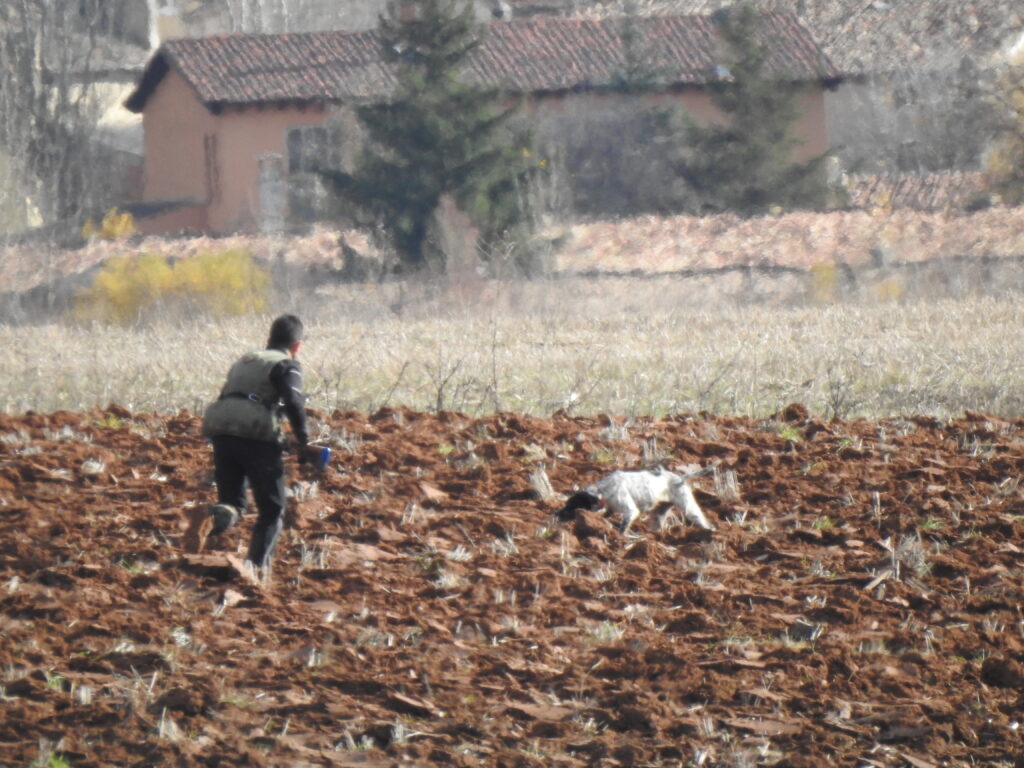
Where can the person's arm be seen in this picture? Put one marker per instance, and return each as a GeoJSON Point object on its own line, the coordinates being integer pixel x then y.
{"type": "Point", "coordinates": [286, 377]}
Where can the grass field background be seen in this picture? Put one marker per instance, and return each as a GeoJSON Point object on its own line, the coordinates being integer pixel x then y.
{"type": "Point", "coordinates": [622, 347]}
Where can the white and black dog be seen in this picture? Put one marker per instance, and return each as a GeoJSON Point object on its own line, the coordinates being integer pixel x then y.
{"type": "Point", "coordinates": [628, 493]}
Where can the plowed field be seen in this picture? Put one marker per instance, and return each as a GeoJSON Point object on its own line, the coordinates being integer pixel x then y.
{"type": "Point", "coordinates": [859, 603]}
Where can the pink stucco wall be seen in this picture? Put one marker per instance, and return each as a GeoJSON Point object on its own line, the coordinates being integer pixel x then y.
{"type": "Point", "coordinates": [180, 132]}
{"type": "Point", "coordinates": [186, 218]}
{"type": "Point", "coordinates": [809, 129]}
{"type": "Point", "coordinates": [244, 135]}
{"type": "Point", "coordinates": [812, 127]}
{"type": "Point", "coordinates": [174, 123]}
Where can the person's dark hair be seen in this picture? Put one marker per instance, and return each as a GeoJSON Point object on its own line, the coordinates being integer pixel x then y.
{"type": "Point", "coordinates": [285, 331]}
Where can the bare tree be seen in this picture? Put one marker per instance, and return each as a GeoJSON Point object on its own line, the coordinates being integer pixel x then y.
{"type": "Point", "coordinates": [48, 110]}
{"type": "Point", "coordinates": [915, 120]}
{"type": "Point", "coordinates": [300, 15]}
{"type": "Point", "coordinates": [1004, 160]}
{"type": "Point", "coordinates": [915, 99]}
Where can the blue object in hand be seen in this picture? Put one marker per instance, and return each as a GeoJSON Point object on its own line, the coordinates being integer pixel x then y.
{"type": "Point", "coordinates": [317, 455]}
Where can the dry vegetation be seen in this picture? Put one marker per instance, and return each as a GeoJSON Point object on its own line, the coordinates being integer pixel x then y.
{"type": "Point", "coordinates": [626, 346]}
{"type": "Point", "coordinates": [854, 313]}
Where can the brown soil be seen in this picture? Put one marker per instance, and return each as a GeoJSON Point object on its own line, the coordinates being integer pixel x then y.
{"type": "Point", "coordinates": [859, 603]}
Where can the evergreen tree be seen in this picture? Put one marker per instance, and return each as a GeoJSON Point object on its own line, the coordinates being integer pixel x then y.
{"type": "Point", "coordinates": [438, 134]}
{"type": "Point", "coordinates": [745, 163]}
{"type": "Point", "coordinates": [638, 73]}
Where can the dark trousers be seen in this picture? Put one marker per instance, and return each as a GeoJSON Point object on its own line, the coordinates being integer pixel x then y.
{"type": "Point", "coordinates": [237, 460]}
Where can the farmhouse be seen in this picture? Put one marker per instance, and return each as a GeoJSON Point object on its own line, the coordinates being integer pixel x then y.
{"type": "Point", "coordinates": [231, 122]}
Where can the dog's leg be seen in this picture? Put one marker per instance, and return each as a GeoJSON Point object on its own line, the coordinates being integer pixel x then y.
{"type": "Point", "coordinates": [659, 516]}
{"type": "Point", "coordinates": [682, 496]}
{"type": "Point", "coordinates": [621, 503]}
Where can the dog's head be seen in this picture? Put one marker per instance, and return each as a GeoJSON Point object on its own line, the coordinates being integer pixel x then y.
{"type": "Point", "coordinates": [579, 500]}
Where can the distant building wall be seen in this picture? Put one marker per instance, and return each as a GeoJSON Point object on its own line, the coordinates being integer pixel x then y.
{"type": "Point", "coordinates": [551, 112]}
{"type": "Point", "coordinates": [210, 163]}
{"type": "Point", "coordinates": [244, 135]}
{"type": "Point", "coordinates": [175, 123]}
{"type": "Point", "coordinates": [183, 218]}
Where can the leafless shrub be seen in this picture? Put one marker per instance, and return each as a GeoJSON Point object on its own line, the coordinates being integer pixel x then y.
{"type": "Point", "coordinates": [541, 483]}
{"type": "Point", "coordinates": [653, 454]}
{"type": "Point", "coordinates": [727, 487]}
{"type": "Point", "coordinates": [505, 546]}
{"type": "Point", "coordinates": [912, 553]}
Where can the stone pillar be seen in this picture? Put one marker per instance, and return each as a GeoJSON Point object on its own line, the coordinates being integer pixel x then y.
{"type": "Point", "coordinates": [273, 194]}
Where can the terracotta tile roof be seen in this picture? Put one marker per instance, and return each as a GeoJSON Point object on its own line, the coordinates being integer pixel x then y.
{"type": "Point", "coordinates": [527, 55]}
{"type": "Point", "coordinates": [557, 54]}
{"type": "Point", "coordinates": [246, 69]}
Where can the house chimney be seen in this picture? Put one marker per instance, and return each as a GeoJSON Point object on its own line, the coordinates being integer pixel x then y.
{"type": "Point", "coordinates": [501, 10]}
{"type": "Point", "coordinates": [167, 25]}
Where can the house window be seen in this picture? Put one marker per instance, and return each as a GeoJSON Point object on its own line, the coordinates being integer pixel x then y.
{"type": "Point", "coordinates": [313, 146]}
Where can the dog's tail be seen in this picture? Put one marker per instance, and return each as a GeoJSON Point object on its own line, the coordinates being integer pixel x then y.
{"type": "Point", "coordinates": [700, 472]}
{"type": "Point", "coordinates": [579, 500]}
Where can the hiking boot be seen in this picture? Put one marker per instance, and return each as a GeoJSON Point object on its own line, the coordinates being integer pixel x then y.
{"type": "Point", "coordinates": [224, 516]}
{"type": "Point", "coordinates": [245, 570]}
{"type": "Point", "coordinates": [260, 576]}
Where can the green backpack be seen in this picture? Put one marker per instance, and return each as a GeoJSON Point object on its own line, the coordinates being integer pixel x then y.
{"type": "Point", "coordinates": [247, 406]}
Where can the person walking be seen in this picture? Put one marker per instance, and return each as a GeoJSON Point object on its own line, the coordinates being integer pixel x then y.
{"type": "Point", "coordinates": [244, 426]}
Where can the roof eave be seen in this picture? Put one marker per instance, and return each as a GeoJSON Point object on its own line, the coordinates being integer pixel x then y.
{"type": "Point", "coordinates": [154, 72]}
{"type": "Point", "coordinates": [216, 106]}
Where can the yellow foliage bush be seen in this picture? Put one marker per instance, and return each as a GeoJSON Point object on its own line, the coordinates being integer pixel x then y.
{"type": "Point", "coordinates": [115, 226]}
{"type": "Point", "coordinates": [890, 289]}
{"type": "Point", "coordinates": [133, 288]}
{"type": "Point", "coordinates": [824, 282]}
{"type": "Point", "coordinates": [229, 283]}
